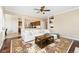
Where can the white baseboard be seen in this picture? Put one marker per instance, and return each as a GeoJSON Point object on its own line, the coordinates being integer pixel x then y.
{"type": "Point", "coordinates": [73, 38]}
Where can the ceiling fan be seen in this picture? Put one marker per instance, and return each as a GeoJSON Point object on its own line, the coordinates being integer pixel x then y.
{"type": "Point", "coordinates": [42, 10]}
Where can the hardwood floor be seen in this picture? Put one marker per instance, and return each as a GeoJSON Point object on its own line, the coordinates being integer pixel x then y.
{"type": "Point", "coordinates": [75, 44]}
{"type": "Point", "coordinates": [6, 46]}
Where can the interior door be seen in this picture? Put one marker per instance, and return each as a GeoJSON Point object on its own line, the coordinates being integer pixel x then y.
{"type": "Point", "coordinates": [19, 25]}
{"type": "Point", "coordinates": [2, 30]}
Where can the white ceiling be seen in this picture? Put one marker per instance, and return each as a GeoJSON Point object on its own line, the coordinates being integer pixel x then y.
{"type": "Point", "coordinates": [29, 10]}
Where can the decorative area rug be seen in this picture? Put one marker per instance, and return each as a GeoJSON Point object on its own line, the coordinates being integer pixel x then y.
{"type": "Point", "coordinates": [61, 45]}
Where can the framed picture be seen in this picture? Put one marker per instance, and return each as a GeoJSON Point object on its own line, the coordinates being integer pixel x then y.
{"type": "Point", "coordinates": [51, 27]}
{"type": "Point", "coordinates": [50, 21]}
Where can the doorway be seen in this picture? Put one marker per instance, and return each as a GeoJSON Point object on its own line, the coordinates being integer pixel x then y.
{"type": "Point", "coordinates": [19, 25]}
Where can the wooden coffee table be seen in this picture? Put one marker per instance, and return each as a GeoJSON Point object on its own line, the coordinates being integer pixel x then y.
{"type": "Point", "coordinates": [44, 40]}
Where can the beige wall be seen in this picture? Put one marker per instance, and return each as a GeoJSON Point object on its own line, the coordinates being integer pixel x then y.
{"type": "Point", "coordinates": [67, 24]}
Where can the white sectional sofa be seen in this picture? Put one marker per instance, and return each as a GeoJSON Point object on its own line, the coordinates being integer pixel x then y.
{"type": "Point", "coordinates": [29, 34]}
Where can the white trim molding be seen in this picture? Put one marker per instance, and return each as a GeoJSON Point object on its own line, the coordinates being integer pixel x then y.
{"type": "Point", "coordinates": [70, 37]}
{"type": "Point", "coordinates": [65, 11]}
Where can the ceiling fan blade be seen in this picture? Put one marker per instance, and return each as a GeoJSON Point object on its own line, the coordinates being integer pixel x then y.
{"type": "Point", "coordinates": [46, 10]}
{"type": "Point", "coordinates": [42, 8]}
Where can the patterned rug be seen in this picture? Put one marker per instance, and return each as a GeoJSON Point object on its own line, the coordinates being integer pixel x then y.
{"type": "Point", "coordinates": [61, 45]}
